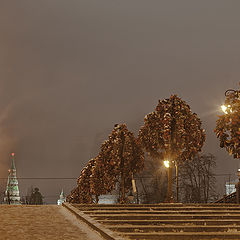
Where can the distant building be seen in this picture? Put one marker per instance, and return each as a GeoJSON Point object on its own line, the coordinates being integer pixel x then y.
{"type": "Point", "coordinates": [12, 190]}
{"type": "Point", "coordinates": [230, 187]}
{"type": "Point", "coordinates": [62, 198]}
{"type": "Point", "coordinates": [108, 199]}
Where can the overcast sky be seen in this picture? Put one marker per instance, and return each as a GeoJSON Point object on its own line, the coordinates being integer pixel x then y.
{"type": "Point", "coordinates": [71, 69]}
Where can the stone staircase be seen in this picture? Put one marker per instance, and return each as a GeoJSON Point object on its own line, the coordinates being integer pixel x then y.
{"type": "Point", "coordinates": [167, 221]}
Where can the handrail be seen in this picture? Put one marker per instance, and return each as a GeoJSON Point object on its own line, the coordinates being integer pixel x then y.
{"type": "Point", "coordinates": [231, 198]}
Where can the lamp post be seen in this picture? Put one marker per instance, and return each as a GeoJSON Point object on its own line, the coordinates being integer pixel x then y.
{"type": "Point", "coordinates": [231, 95]}
{"type": "Point", "coordinates": [230, 107]}
{"type": "Point", "coordinates": [168, 165]}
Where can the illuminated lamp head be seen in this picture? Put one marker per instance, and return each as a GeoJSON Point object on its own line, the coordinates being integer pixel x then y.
{"type": "Point", "coordinates": [166, 163]}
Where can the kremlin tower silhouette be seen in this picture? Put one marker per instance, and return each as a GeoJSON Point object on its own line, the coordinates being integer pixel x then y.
{"type": "Point", "coordinates": [12, 191]}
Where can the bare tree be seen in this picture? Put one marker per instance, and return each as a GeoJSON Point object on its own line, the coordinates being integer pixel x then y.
{"type": "Point", "coordinates": [152, 182]}
{"type": "Point", "coordinates": [197, 180]}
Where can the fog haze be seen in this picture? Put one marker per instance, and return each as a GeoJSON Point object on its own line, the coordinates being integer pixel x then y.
{"type": "Point", "coordinates": [70, 70]}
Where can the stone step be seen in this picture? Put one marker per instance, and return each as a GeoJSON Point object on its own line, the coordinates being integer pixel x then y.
{"type": "Point", "coordinates": [171, 205]}
{"type": "Point", "coordinates": [192, 222]}
{"type": "Point", "coordinates": [190, 212]}
{"type": "Point", "coordinates": [158, 208]}
{"type": "Point", "coordinates": [164, 216]}
{"type": "Point", "coordinates": [167, 221]}
{"type": "Point", "coordinates": [183, 236]}
{"type": "Point", "coordinates": [174, 228]}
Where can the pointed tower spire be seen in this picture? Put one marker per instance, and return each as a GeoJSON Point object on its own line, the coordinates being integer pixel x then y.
{"type": "Point", "coordinates": [61, 199]}
{"type": "Point", "coordinates": [12, 191]}
{"type": "Point", "coordinates": [62, 193]}
{"type": "Point", "coordinates": [13, 167]}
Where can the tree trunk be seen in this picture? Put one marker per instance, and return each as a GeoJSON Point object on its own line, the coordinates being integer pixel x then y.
{"type": "Point", "coordinates": [122, 184]}
{"type": "Point", "coordinates": [177, 183]}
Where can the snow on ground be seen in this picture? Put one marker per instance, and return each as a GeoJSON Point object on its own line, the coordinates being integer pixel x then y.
{"type": "Point", "coordinates": [46, 222]}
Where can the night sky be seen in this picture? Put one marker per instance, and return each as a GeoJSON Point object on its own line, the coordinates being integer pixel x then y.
{"type": "Point", "coordinates": [71, 69]}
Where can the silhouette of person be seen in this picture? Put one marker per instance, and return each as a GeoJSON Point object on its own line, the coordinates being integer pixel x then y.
{"type": "Point", "coordinates": [8, 197]}
{"type": "Point", "coordinates": [36, 197]}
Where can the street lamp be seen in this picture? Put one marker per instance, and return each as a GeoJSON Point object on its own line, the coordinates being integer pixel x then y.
{"type": "Point", "coordinates": [232, 92]}
{"type": "Point", "coordinates": [166, 163]}
{"type": "Point", "coordinates": [232, 106]}
{"type": "Point", "coordinates": [231, 95]}
{"type": "Point", "coordinates": [226, 109]}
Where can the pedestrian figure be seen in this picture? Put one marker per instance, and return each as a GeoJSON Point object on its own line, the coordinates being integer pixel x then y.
{"type": "Point", "coordinates": [8, 197]}
{"type": "Point", "coordinates": [36, 197]}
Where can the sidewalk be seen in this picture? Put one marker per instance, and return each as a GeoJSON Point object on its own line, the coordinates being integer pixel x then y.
{"type": "Point", "coordinates": [45, 222]}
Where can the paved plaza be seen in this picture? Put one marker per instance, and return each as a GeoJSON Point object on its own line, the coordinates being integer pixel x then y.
{"type": "Point", "coordinates": [46, 222]}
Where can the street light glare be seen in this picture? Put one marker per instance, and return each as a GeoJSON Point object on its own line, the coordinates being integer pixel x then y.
{"type": "Point", "coordinates": [224, 109]}
{"type": "Point", "coordinates": [166, 163]}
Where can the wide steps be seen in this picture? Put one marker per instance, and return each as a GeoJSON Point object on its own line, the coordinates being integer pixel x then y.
{"type": "Point", "coordinates": [183, 236]}
{"type": "Point", "coordinates": [174, 228]}
{"type": "Point", "coordinates": [167, 221]}
{"type": "Point", "coordinates": [166, 216]}
{"type": "Point", "coordinates": [205, 222]}
{"type": "Point", "coordinates": [170, 212]}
